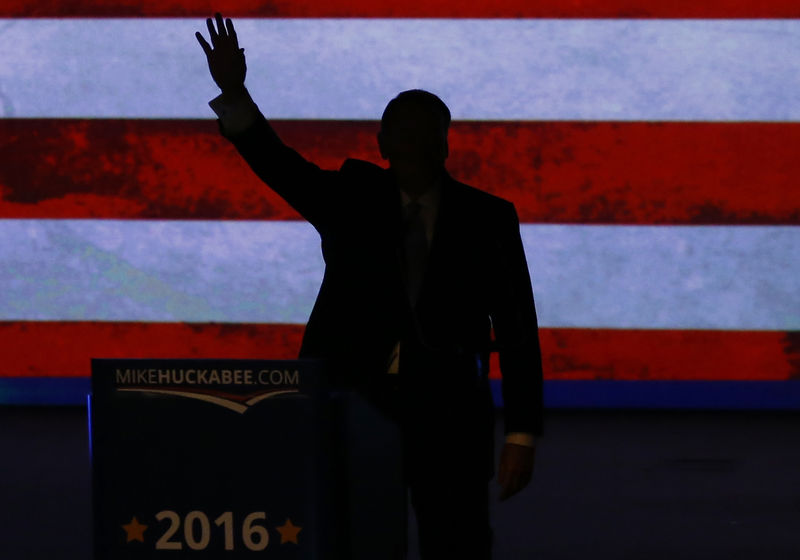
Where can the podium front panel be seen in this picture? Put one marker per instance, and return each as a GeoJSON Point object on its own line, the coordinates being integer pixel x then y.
{"type": "Point", "coordinates": [210, 459]}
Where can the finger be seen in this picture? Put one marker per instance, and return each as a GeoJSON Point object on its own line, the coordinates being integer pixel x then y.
{"type": "Point", "coordinates": [519, 482]}
{"type": "Point", "coordinates": [518, 479]}
{"type": "Point", "coordinates": [502, 474]}
{"type": "Point", "coordinates": [220, 25]}
{"type": "Point", "coordinates": [511, 488]}
{"type": "Point", "coordinates": [203, 43]}
{"type": "Point", "coordinates": [505, 492]}
{"type": "Point", "coordinates": [232, 32]}
{"type": "Point", "coordinates": [212, 33]}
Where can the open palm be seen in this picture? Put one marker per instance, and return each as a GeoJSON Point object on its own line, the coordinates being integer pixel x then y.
{"type": "Point", "coordinates": [225, 59]}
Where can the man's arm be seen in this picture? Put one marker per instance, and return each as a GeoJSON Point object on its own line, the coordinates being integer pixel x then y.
{"type": "Point", "coordinates": [516, 331]}
{"type": "Point", "coordinates": [301, 183]}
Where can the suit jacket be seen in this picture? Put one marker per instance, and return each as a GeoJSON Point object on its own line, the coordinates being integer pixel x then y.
{"type": "Point", "coordinates": [476, 294]}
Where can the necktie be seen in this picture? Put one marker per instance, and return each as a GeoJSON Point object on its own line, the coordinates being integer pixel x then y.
{"type": "Point", "coordinates": [416, 249]}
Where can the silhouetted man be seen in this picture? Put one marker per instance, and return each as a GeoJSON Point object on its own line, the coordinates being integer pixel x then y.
{"type": "Point", "coordinates": [421, 272]}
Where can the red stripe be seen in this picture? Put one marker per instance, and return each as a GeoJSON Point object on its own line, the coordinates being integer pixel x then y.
{"type": "Point", "coordinates": [555, 172]}
{"type": "Point", "coordinates": [64, 349]}
{"type": "Point", "coordinates": [403, 8]}
{"type": "Point", "coordinates": [670, 355]}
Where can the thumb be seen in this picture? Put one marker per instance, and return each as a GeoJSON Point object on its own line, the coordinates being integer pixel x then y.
{"type": "Point", "coordinates": [203, 43]}
{"type": "Point", "coordinates": [502, 470]}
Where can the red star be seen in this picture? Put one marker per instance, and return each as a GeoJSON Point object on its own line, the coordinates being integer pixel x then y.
{"type": "Point", "coordinates": [135, 530]}
{"type": "Point", "coordinates": [289, 532]}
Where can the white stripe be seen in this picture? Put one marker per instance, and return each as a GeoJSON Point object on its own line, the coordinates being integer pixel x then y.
{"type": "Point", "coordinates": [666, 277]}
{"type": "Point", "coordinates": [269, 272]}
{"type": "Point", "coordinates": [732, 70]}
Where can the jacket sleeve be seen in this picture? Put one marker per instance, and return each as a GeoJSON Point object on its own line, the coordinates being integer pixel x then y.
{"type": "Point", "coordinates": [307, 188]}
{"type": "Point", "coordinates": [516, 331]}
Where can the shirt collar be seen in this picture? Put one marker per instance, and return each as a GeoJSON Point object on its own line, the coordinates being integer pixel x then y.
{"type": "Point", "coordinates": [428, 200]}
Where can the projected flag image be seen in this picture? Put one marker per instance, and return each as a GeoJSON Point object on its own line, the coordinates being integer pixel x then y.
{"type": "Point", "coordinates": [651, 153]}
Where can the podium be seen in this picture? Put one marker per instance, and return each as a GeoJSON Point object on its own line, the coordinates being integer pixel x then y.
{"type": "Point", "coordinates": [240, 459]}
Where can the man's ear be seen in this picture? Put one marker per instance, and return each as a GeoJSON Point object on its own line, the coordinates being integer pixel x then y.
{"type": "Point", "coordinates": [382, 145]}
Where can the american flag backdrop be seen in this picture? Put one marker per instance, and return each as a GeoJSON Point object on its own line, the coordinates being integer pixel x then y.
{"type": "Point", "coordinates": [652, 150]}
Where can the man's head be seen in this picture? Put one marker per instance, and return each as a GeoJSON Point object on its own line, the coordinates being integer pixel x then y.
{"type": "Point", "coordinates": [413, 135]}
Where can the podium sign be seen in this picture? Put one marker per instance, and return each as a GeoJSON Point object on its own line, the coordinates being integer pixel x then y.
{"type": "Point", "coordinates": [211, 459]}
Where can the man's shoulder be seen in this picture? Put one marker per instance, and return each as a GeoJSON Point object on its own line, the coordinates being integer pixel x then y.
{"type": "Point", "coordinates": [361, 168]}
{"type": "Point", "coordinates": [483, 201]}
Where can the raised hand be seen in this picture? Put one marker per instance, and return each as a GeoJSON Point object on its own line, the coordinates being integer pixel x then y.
{"type": "Point", "coordinates": [225, 59]}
